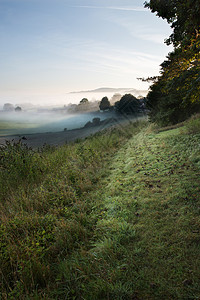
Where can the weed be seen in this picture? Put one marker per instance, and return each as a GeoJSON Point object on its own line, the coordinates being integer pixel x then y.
{"type": "Point", "coordinates": [193, 124]}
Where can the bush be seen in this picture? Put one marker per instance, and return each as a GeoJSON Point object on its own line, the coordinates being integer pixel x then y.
{"type": "Point", "coordinates": [193, 124]}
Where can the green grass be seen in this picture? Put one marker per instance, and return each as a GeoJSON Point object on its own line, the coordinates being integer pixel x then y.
{"type": "Point", "coordinates": [153, 195]}
{"type": "Point", "coordinates": [113, 217]}
{"type": "Point", "coordinates": [14, 127]}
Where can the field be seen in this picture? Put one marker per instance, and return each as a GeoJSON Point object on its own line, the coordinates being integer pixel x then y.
{"type": "Point", "coordinates": [35, 135]}
{"type": "Point", "coordinates": [34, 122]}
{"type": "Point", "coordinates": [114, 216]}
{"type": "Point", "coordinates": [9, 128]}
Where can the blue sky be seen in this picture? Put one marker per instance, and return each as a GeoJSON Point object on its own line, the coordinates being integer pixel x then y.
{"type": "Point", "coordinates": [52, 47]}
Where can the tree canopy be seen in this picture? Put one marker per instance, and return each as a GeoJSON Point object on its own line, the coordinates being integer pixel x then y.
{"type": "Point", "coordinates": [183, 15]}
{"type": "Point", "coordinates": [175, 94]}
{"type": "Point", "coordinates": [18, 108]}
{"type": "Point", "coordinates": [84, 101]}
{"type": "Point", "coordinates": [104, 104]}
{"type": "Point", "coordinates": [8, 107]}
{"type": "Point", "coordinates": [128, 104]}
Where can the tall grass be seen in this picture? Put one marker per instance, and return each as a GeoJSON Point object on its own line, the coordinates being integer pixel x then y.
{"type": "Point", "coordinates": [115, 216]}
{"type": "Point", "coordinates": [47, 212]}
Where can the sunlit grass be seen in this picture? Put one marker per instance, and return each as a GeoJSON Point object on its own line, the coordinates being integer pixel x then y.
{"type": "Point", "coordinates": [13, 127]}
{"type": "Point", "coordinates": [113, 217]}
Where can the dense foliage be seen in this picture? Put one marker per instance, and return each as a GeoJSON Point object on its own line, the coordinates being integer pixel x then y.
{"type": "Point", "coordinates": [175, 94]}
{"type": "Point", "coordinates": [128, 104]}
{"type": "Point", "coordinates": [104, 104]}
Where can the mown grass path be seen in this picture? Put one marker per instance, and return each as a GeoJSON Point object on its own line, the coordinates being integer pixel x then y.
{"type": "Point", "coordinates": [148, 244]}
{"type": "Point", "coordinates": [113, 217]}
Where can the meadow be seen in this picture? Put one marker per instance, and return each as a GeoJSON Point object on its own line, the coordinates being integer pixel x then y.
{"type": "Point", "coordinates": [114, 216]}
{"type": "Point", "coordinates": [31, 122]}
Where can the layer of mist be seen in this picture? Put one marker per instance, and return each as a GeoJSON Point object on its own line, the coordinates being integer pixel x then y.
{"type": "Point", "coordinates": [66, 98]}
{"type": "Point", "coordinates": [12, 123]}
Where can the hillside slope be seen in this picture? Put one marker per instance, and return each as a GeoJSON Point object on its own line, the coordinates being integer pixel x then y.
{"type": "Point", "coordinates": [150, 227]}
{"type": "Point", "coordinates": [112, 217]}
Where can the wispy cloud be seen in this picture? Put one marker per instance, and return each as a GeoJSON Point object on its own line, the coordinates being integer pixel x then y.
{"type": "Point", "coordinates": [92, 56]}
{"type": "Point", "coordinates": [138, 9]}
{"type": "Point", "coordinates": [149, 33]}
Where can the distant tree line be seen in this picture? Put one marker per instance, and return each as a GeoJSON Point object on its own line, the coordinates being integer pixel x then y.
{"type": "Point", "coordinates": [11, 107]}
{"type": "Point", "coordinates": [128, 104]}
{"type": "Point", "coordinates": [84, 106]}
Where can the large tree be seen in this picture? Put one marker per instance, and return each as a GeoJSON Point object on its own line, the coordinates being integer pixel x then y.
{"type": "Point", "coordinates": [128, 104]}
{"type": "Point", "coordinates": [104, 104]}
{"type": "Point", "coordinates": [84, 101]}
{"type": "Point", "coordinates": [175, 94]}
{"type": "Point", "coordinates": [183, 15]}
{"type": "Point", "coordinates": [8, 107]}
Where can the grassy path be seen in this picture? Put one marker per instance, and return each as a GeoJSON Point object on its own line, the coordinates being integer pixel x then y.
{"type": "Point", "coordinates": [147, 239]}
{"type": "Point", "coordinates": [113, 217]}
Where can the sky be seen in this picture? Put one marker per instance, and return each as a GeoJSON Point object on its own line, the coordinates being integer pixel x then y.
{"type": "Point", "coordinates": [52, 47]}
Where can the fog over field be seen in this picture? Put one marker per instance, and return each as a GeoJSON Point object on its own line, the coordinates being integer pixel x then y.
{"type": "Point", "coordinates": [55, 113]}
{"type": "Point", "coordinates": [44, 121]}
{"type": "Point", "coordinates": [66, 98]}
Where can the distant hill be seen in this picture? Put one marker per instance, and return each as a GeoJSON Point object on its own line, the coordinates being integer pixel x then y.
{"type": "Point", "coordinates": [114, 90]}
